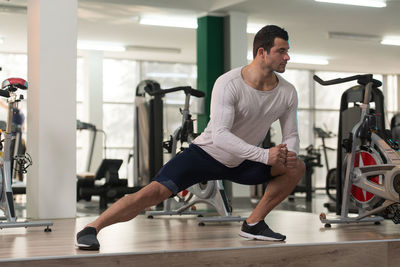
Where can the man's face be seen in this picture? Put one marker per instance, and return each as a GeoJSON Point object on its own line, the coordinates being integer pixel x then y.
{"type": "Point", "coordinates": [278, 56]}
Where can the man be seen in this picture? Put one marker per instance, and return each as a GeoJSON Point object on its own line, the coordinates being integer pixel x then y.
{"type": "Point", "coordinates": [245, 102]}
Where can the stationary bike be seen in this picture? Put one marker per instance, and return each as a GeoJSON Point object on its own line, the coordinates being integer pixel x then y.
{"type": "Point", "coordinates": [8, 90]}
{"type": "Point", "coordinates": [330, 181]}
{"type": "Point", "coordinates": [210, 192]}
{"type": "Point", "coordinates": [372, 165]}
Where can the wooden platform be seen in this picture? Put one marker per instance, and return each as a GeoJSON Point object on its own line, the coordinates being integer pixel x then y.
{"type": "Point", "coordinates": [179, 241]}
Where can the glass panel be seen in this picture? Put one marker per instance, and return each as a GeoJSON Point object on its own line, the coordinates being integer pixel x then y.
{"type": "Point", "coordinates": [172, 119]}
{"type": "Point", "coordinates": [391, 98]}
{"type": "Point", "coordinates": [80, 79]}
{"type": "Point", "coordinates": [328, 97]}
{"type": "Point", "coordinates": [329, 122]}
{"type": "Point", "coordinates": [304, 128]}
{"type": "Point", "coordinates": [118, 125]}
{"type": "Point", "coordinates": [79, 108]}
{"type": "Point", "coordinates": [171, 75]}
{"type": "Point", "coordinates": [120, 78]}
{"type": "Point", "coordinates": [80, 143]}
{"type": "Point", "coordinates": [81, 153]}
{"type": "Point", "coordinates": [301, 81]}
{"type": "Point", "coordinates": [13, 65]}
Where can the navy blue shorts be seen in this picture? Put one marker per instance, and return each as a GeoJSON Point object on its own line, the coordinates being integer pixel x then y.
{"type": "Point", "coordinates": [194, 165]}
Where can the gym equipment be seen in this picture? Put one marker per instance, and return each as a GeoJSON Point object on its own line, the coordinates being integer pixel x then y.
{"type": "Point", "coordinates": [88, 185]}
{"type": "Point", "coordinates": [112, 189]}
{"type": "Point", "coordinates": [148, 138]}
{"type": "Point", "coordinates": [350, 113]}
{"type": "Point", "coordinates": [211, 192]}
{"type": "Point", "coordinates": [395, 127]}
{"type": "Point", "coordinates": [20, 159]}
{"type": "Point", "coordinates": [330, 181]}
{"type": "Point", "coordinates": [311, 159]}
{"type": "Point", "coordinates": [8, 90]}
{"type": "Point", "coordinates": [372, 164]}
{"type": "Point", "coordinates": [92, 137]}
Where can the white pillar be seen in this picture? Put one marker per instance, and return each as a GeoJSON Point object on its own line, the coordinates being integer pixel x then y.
{"type": "Point", "coordinates": [235, 37]}
{"type": "Point", "coordinates": [93, 102]}
{"type": "Point", "coordinates": [235, 40]}
{"type": "Point", "coordinates": [51, 181]}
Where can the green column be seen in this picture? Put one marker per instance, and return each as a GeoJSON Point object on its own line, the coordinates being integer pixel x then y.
{"type": "Point", "coordinates": [210, 60]}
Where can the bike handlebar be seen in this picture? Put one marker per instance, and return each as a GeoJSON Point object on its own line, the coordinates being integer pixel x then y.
{"type": "Point", "coordinates": [367, 77]}
{"type": "Point", "coordinates": [186, 89]}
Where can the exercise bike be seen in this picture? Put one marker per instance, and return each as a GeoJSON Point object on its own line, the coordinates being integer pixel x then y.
{"type": "Point", "coordinates": [372, 164]}
{"type": "Point", "coordinates": [330, 181]}
{"type": "Point", "coordinates": [8, 90]}
{"type": "Point", "coordinates": [210, 192]}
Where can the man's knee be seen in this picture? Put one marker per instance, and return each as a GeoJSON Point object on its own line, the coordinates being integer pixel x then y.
{"type": "Point", "coordinates": [297, 172]}
{"type": "Point", "coordinates": [156, 192]}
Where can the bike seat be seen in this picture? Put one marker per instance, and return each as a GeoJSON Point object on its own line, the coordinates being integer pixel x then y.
{"type": "Point", "coordinates": [12, 84]}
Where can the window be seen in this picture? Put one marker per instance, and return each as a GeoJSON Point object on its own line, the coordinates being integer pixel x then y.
{"type": "Point", "coordinates": [120, 78]}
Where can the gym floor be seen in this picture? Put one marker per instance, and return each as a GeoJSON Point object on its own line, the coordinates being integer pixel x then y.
{"type": "Point", "coordinates": [85, 208]}
{"type": "Point", "coordinates": [179, 241]}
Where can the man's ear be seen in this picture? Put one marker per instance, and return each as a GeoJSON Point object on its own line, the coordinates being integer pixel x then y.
{"type": "Point", "coordinates": [261, 51]}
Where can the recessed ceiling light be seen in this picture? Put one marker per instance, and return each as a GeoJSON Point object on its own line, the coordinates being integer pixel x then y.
{"type": "Point", "coordinates": [170, 21]}
{"type": "Point", "coordinates": [354, 36]}
{"type": "Point", "coordinates": [367, 3]}
{"type": "Point", "coordinates": [391, 40]}
{"type": "Point", "coordinates": [153, 49]}
{"type": "Point", "coordinates": [100, 46]}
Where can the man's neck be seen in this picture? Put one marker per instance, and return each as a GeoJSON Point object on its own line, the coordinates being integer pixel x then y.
{"type": "Point", "coordinates": [263, 80]}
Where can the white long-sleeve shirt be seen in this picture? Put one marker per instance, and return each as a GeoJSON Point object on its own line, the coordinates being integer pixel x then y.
{"type": "Point", "coordinates": [241, 117]}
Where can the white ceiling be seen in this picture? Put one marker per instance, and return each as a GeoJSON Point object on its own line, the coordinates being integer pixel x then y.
{"type": "Point", "coordinates": [307, 22]}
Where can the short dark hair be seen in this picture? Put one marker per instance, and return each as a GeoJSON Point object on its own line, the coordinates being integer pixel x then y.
{"type": "Point", "coordinates": [266, 36]}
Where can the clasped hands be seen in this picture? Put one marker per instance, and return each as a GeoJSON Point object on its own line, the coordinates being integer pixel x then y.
{"type": "Point", "coordinates": [279, 155]}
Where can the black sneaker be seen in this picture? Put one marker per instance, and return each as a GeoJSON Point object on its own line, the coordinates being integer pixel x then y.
{"type": "Point", "coordinates": [87, 240]}
{"type": "Point", "coordinates": [260, 231]}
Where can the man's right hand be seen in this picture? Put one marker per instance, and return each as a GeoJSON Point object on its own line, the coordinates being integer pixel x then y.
{"type": "Point", "coordinates": [277, 155]}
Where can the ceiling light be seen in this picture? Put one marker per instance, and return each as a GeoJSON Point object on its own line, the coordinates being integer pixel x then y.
{"type": "Point", "coordinates": [391, 40]}
{"type": "Point", "coordinates": [354, 36]}
{"type": "Point", "coordinates": [4, 8]}
{"type": "Point", "coordinates": [143, 48]}
{"type": "Point", "coordinates": [367, 3]}
{"type": "Point", "coordinates": [100, 46]}
{"type": "Point", "coordinates": [169, 21]}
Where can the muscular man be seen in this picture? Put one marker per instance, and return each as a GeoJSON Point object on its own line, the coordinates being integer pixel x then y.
{"type": "Point", "coordinates": [245, 102]}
